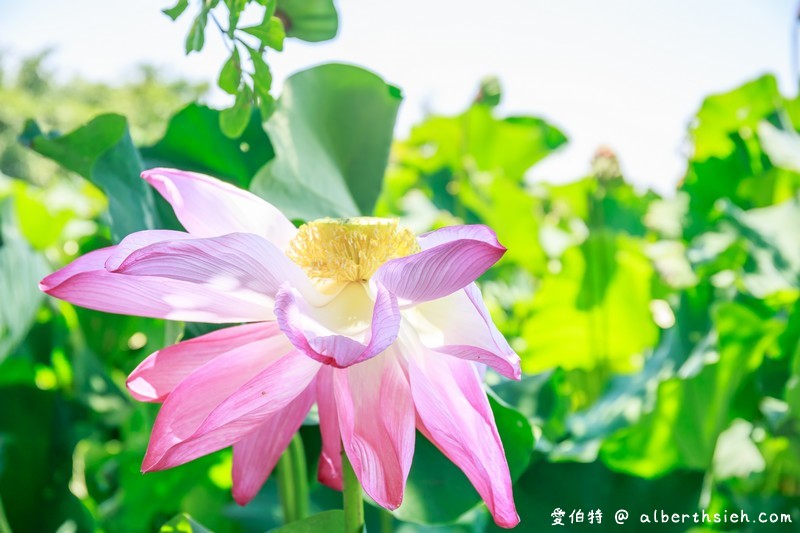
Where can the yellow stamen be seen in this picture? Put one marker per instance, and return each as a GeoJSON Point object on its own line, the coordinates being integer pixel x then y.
{"type": "Point", "coordinates": [349, 249]}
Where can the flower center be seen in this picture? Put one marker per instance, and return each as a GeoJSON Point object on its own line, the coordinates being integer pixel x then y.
{"type": "Point", "coordinates": [349, 249]}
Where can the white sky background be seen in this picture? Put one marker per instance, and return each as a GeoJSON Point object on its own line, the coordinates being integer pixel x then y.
{"type": "Point", "coordinates": [625, 73]}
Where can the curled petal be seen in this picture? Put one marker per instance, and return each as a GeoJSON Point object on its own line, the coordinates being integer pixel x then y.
{"type": "Point", "coordinates": [200, 393]}
{"type": "Point", "coordinates": [90, 262]}
{"type": "Point", "coordinates": [208, 207]}
{"type": "Point", "coordinates": [140, 239]}
{"type": "Point", "coordinates": [451, 259]}
{"type": "Point", "coordinates": [237, 262]}
{"type": "Point", "coordinates": [476, 232]}
{"type": "Point", "coordinates": [162, 371]}
{"type": "Point", "coordinates": [257, 453]}
{"type": "Point", "coordinates": [311, 329]}
{"type": "Point", "coordinates": [329, 471]}
{"type": "Point", "coordinates": [454, 414]}
{"type": "Point", "coordinates": [86, 282]}
{"type": "Point", "coordinates": [460, 325]}
{"type": "Point", "coordinates": [376, 418]}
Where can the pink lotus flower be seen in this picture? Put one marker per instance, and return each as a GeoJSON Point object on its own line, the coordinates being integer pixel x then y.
{"type": "Point", "coordinates": [385, 332]}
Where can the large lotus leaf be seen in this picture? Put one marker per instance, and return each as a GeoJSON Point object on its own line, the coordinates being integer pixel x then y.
{"type": "Point", "coordinates": [36, 441]}
{"type": "Point", "coordinates": [773, 250]}
{"type": "Point", "coordinates": [692, 409]}
{"type": "Point", "coordinates": [514, 214]}
{"type": "Point", "coordinates": [740, 109]}
{"type": "Point", "coordinates": [20, 271]}
{"type": "Point", "coordinates": [595, 311]}
{"type": "Point", "coordinates": [102, 152]}
{"type": "Point", "coordinates": [194, 141]}
{"type": "Point", "coordinates": [477, 140]}
{"type": "Point", "coordinates": [331, 130]}
{"type": "Point", "coordinates": [735, 154]}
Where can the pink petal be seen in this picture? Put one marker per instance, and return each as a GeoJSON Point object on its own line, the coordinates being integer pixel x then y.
{"type": "Point", "coordinates": [297, 320]}
{"type": "Point", "coordinates": [270, 391]}
{"type": "Point", "coordinates": [376, 417]}
{"type": "Point", "coordinates": [234, 263]}
{"type": "Point", "coordinates": [208, 207]}
{"type": "Point", "coordinates": [476, 232]}
{"type": "Point", "coordinates": [92, 261]}
{"type": "Point", "coordinates": [451, 259]}
{"type": "Point", "coordinates": [329, 471]}
{"type": "Point", "coordinates": [202, 391]}
{"type": "Point", "coordinates": [161, 372]}
{"type": "Point", "coordinates": [454, 414]}
{"type": "Point", "coordinates": [86, 282]}
{"type": "Point", "coordinates": [140, 239]}
{"type": "Point", "coordinates": [256, 454]}
{"type": "Point", "coordinates": [460, 325]}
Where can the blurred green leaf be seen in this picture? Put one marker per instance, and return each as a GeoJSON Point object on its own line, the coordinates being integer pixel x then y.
{"type": "Point", "coordinates": [20, 271]}
{"type": "Point", "coordinates": [692, 409]}
{"type": "Point", "coordinates": [234, 120]}
{"type": "Point", "coordinates": [514, 214]}
{"type": "Point", "coordinates": [773, 253]}
{"type": "Point", "coordinates": [737, 110]}
{"type": "Point", "coordinates": [730, 160]}
{"type": "Point", "coordinates": [235, 8]}
{"type": "Point", "coordinates": [332, 129]}
{"type": "Point", "coordinates": [231, 74]}
{"type": "Point", "coordinates": [262, 77]}
{"type": "Point", "coordinates": [102, 152]}
{"type": "Point", "coordinates": [328, 521]}
{"type": "Point", "coordinates": [197, 33]}
{"type": "Point", "coordinates": [183, 523]}
{"type": "Point", "coordinates": [309, 20]}
{"type": "Point", "coordinates": [477, 139]}
{"type": "Point", "coordinates": [270, 32]}
{"type": "Point", "coordinates": [36, 439]}
{"type": "Point", "coordinates": [177, 10]}
{"type": "Point", "coordinates": [194, 141]}
{"type": "Point", "coordinates": [595, 312]}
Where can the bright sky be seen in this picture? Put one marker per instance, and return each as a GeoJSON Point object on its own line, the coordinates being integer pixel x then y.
{"type": "Point", "coordinates": [625, 73]}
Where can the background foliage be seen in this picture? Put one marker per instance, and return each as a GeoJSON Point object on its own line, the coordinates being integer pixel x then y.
{"type": "Point", "coordinates": [659, 336]}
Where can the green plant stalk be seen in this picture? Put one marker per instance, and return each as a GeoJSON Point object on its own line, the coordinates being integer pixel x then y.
{"type": "Point", "coordinates": [299, 476]}
{"type": "Point", "coordinates": [353, 498]}
{"type": "Point", "coordinates": [286, 491]}
{"type": "Point", "coordinates": [293, 481]}
{"type": "Point", "coordinates": [4, 525]}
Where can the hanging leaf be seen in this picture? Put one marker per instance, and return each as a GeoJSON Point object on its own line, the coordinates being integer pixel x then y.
{"type": "Point", "coordinates": [234, 120]}
{"type": "Point", "coordinates": [177, 10]}
{"type": "Point", "coordinates": [231, 74]}
{"type": "Point", "coordinates": [309, 20]}
{"type": "Point", "coordinates": [270, 33]}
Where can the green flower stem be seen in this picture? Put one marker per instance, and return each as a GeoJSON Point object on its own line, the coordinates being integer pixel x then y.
{"type": "Point", "coordinates": [300, 477]}
{"type": "Point", "coordinates": [293, 482]}
{"type": "Point", "coordinates": [4, 526]}
{"type": "Point", "coordinates": [353, 499]}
